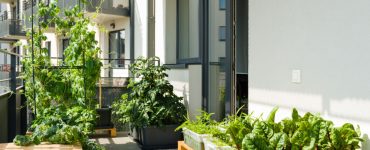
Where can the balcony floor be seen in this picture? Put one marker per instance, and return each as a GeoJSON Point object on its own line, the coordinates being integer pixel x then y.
{"type": "Point", "coordinates": [122, 141]}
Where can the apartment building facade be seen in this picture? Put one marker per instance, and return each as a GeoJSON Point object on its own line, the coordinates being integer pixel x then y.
{"type": "Point", "coordinates": [189, 36]}
{"type": "Point", "coordinates": [225, 54]}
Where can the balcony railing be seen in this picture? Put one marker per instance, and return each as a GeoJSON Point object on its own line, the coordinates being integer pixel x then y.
{"type": "Point", "coordinates": [27, 8]}
{"type": "Point", "coordinates": [111, 7]}
{"type": "Point", "coordinates": [27, 4]}
{"type": "Point", "coordinates": [10, 25]}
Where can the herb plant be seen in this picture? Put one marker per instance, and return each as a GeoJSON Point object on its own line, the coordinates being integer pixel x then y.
{"type": "Point", "coordinates": [63, 95]}
{"type": "Point", "coordinates": [151, 101]}
{"type": "Point", "coordinates": [201, 125]}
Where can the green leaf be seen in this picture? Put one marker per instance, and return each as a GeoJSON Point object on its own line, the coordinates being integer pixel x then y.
{"type": "Point", "coordinates": [278, 141]}
{"type": "Point", "coordinates": [262, 128]}
{"type": "Point", "coordinates": [295, 115]}
{"type": "Point", "coordinates": [271, 117]}
{"type": "Point", "coordinates": [254, 141]}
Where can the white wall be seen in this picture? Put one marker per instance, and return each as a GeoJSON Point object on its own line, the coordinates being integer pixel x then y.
{"type": "Point", "coordinates": [328, 41]}
{"type": "Point", "coordinates": [165, 31]}
{"type": "Point", "coordinates": [141, 28]}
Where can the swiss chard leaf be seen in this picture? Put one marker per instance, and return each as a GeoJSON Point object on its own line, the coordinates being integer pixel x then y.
{"type": "Point", "coordinates": [253, 141]}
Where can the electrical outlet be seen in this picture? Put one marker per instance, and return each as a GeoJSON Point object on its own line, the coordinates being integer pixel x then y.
{"type": "Point", "coordinates": [296, 76]}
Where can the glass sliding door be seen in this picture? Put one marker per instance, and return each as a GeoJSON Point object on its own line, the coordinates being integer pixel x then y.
{"type": "Point", "coordinates": [241, 54]}
{"type": "Point", "coordinates": [217, 64]}
{"type": "Point", "coordinates": [116, 50]}
{"type": "Point", "coordinates": [226, 57]}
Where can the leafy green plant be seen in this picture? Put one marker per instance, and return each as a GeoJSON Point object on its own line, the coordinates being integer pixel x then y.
{"type": "Point", "coordinates": [23, 140]}
{"type": "Point", "coordinates": [62, 96]}
{"type": "Point", "coordinates": [238, 126]}
{"type": "Point", "coordinates": [151, 101]}
{"type": "Point", "coordinates": [308, 132]}
{"type": "Point", "coordinates": [201, 125]}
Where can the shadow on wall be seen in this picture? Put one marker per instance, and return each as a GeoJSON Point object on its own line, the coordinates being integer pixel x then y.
{"type": "Point", "coordinates": [185, 97]}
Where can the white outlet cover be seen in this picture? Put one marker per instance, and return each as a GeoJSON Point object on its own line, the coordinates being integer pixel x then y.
{"type": "Point", "coordinates": [296, 76]}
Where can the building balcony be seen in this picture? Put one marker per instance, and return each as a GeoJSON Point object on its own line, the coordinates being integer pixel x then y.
{"type": "Point", "coordinates": [27, 8]}
{"type": "Point", "coordinates": [107, 9]}
{"type": "Point", "coordinates": [11, 28]}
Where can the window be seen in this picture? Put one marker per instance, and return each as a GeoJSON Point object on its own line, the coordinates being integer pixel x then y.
{"type": "Point", "coordinates": [222, 4]}
{"type": "Point", "coordinates": [48, 46]}
{"type": "Point", "coordinates": [117, 48]}
{"type": "Point", "coordinates": [222, 33]}
{"type": "Point", "coordinates": [188, 31]}
{"type": "Point", "coordinates": [65, 44]}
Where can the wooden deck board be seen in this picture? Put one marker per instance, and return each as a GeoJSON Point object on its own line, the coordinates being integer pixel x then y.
{"type": "Point", "coordinates": [182, 146]}
{"type": "Point", "coordinates": [42, 146]}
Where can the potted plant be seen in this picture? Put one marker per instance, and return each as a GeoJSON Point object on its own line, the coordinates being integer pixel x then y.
{"type": "Point", "coordinates": [151, 108]}
{"type": "Point", "coordinates": [197, 130]}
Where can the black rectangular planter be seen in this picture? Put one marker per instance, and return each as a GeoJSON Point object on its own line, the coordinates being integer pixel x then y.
{"type": "Point", "coordinates": [163, 137]}
{"type": "Point", "coordinates": [104, 119]}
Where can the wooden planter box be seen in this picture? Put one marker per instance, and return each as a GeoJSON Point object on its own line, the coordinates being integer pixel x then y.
{"type": "Point", "coordinates": [43, 145]}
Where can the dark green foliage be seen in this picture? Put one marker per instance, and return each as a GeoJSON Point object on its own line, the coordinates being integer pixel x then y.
{"type": "Point", "coordinates": [63, 97]}
{"type": "Point", "coordinates": [63, 125]}
{"type": "Point", "coordinates": [90, 145]}
{"type": "Point", "coordinates": [22, 140]}
{"type": "Point", "coordinates": [151, 101]}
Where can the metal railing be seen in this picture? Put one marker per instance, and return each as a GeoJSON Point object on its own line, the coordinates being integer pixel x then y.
{"type": "Point", "coordinates": [9, 72]}
{"type": "Point", "coordinates": [10, 24]}
{"type": "Point", "coordinates": [28, 4]}
{"type": "Point", "coordinates": [9, 15]}
{"type": "Point", "coordinates": [11, 83]}
{"type": "Point", "coordinates": [114, 72]}
{"type": "Point", "coordinates": [115, 7]}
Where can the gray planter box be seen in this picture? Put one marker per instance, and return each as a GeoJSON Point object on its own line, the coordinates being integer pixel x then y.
{"type": "Point", "coordinates": [158, 137]}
